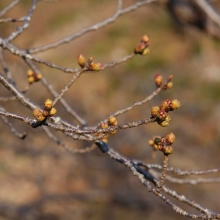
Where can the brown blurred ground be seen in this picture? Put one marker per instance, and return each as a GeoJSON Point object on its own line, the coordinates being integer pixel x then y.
{"type": "Point", "coordinates": [41, 181]}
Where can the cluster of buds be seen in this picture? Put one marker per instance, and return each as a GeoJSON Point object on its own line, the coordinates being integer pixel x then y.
{"type": "Point", "coordinates": [161, 112]}
{"type": "Point", "coordinates": [164, 144]}
{"type": "Point", "coordinates": [143, 47]}
{"type": "Point", "coordinates": [89, 65]}
{"type": "Point", "coordinates": [158, 79]}
{"type": "Point", "coordinates": [152, 144]}
{"type": "Point", "coordinates": [112, 121]}
{"type": "Point", "coordinates": [48, 111]}
{"type": "Point", "coordinates": [33, 77]}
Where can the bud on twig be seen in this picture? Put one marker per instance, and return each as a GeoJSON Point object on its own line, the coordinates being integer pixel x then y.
{"type": "Point", "coordinates": [170, 138]}
{"type": "Point", "coordinates": [48, 104]}
{"type": "Point", "coordinates": [175, 104]}
{"type": "Point", "coordinates": [33, 77]}
{"type": "Point", "coordinates": [142, 47]}
{"type": "Point", "coordinates": [81, 61]}
{"type": "Point", "coordinates": [95, 66]}
{"type": "Point", "coordinates": [52, 112]}
{"type": "Point", "coordinates": [38, 114]}
{"type": "Point", "coordinates": [112, 121]}
{"type": "Point", "coordinates": [155, 111]}
{"type": "Point", "coordinates": [158, 79]}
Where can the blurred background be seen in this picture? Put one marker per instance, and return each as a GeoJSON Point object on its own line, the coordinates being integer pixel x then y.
{"type": "Point", "coordinates": [40, 180]}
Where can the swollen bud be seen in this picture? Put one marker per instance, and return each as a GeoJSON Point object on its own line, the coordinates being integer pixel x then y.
{"type": "Point", "coordinates": [95, 66]}
{"type": "Point", "coordinates": [104, 125]}
{"type": "Point", "coordinates": [165, 105]}
{"type": "Point", "coordinates": [157, 140]}
{"type": "Point", "coordinates": [169, 85]}
{"type": "Point", "coordinates": [170, 138]}
{"type": "Point", "coordinates": [81, 61]}
{"type": "Point", "coordinates": [140, 48]}
{"type": "Point", "coordinates": [175, 104]}
{"type": "Point", "coordinates": [167, 150]}
{"type": "Point", "coordinates": [164, 123]}
{"type": "Point", "coordinates": [146, 51]}
{"type": "Point", "coordinates": [145, 39]}
{"type": "Point", "coordinates": [158, 79]}
{"type": "Point", "coordinates": [112, 121]}
{"type": "Point", "coordinates": [38, 114]}
{"type": "Point", "coordinates": [31, 79]}
{"type": "Point", "coordinates": [48, 104]}
{"type": "Point", "coordinates": [155, 111]}
{"type": "Point", "coordinates": [52, 112]}
{"type": "Point", "coordinates": [162, 115]}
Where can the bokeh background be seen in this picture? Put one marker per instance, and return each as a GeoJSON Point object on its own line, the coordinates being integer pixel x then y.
{"type": "Point", "coordinates": [40, 180]}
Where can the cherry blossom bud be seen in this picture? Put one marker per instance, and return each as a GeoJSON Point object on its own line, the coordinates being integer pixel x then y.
{"type": "Point", "coordinates": [104, 125]}
{"type": "Point", "coordinates": [165, 105]}
{"type": "Point", "coordinates": [112, 121]}
{"type": "Point", "coordinates": [52, 112]}
{"type": "Point", "coordinates": [38, 76]}
{"type": "Point", "coordinates": [170, 138]}
{"type": "Point", "coordinates": [31, 79]}
{"type": "Point", "coordinates": [175, 104]}
{"type": "Point", "coordinates": [155, 111]}
{"type": "Point", "coordinates": [162, 115]}
{"type": "Point", "coordinates": [38, 114]}
{"type": "Point", "coordinates": [30, 72]}
{"type": "Point", "coordinates": [95, 66]}
{"type": "Point", "coordinates": [145, 39]}
{"type": "Point", "coordinates": [158, 79]}
{"type": "Point", "coordinates": [81, 60]}
{"type": "Point", "coordinates": [167, 150]}
{"type": "Point", "coordinates": [146, 51]}
{"type": "Point", "coordinates": [164, 123]}
{"type": "Point", "coordinates": [48, 104]}
{"type": "Point", "coordinates": [140, 48]}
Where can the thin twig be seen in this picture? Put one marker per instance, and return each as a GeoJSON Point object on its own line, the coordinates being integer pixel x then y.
{"type": "Point", "coordinates": [9, 7]}
{"type": "Point", "coordinates": [94, 27]}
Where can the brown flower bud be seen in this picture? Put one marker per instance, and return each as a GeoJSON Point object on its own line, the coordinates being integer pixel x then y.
{"type": "Point", "coordinates": [167, 150]}
{"type": "Point", "coordinates": [38, 114]}
{"type": "Point", "coordinates": [155, 111]}
{"type": "Point", "coordinates": [81, 60]}
{"type": "Point", "coordinates": [30, 72]}
{"type": "Point", "coordinates": [31, 79]}
{"type": "Point", "coordinates": [90, 60]}
{"type": "Point", "coordinates": [162, 115]}
{"type": "Point", "coordinates": [151, 142]}
{"type": "Point", "coordinates": [165, 105]}
{"type": "Point", "coordinates": [170, 138]}
{"type": "Point", "coordinates": [140, 48]}
{"type": "Point", "coordinates": [38, 76]}
{"type": "Point", "coordinates": [175, 104]}
{"type": "Point", "coordinates": [164, 123]}
{"type": "Point", "coordinates": [158, 79]}
{"type": "Point", "coordinates": [112, 121]}
{"type": "Point", "coordinates": [145, 39]}
{"type": "Point", "coordinates": [95, 66]}
{"type": "Point", "coordinates": [104, 125]}
{"type": "Point", "coordinates": [157, 140]}
{"type": "Point", "coordinates": [45, 113]}
{"type": "Point", "coordinates": [169, 85]}
{"type": "Point", "coordinates": [146, 51]}
{"type": "Point", "coordinates": [48, 104]}
{"type": "Point", "coordinates": [52, 112]}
